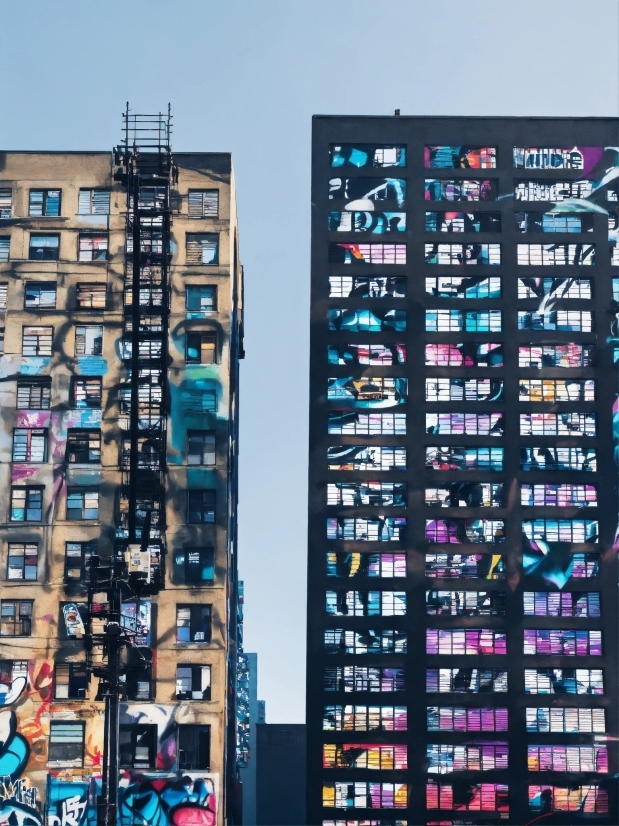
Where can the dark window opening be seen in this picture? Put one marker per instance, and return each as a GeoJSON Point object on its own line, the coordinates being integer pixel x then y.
{"type": "Point", "coordinates": [86, 392]}
{"type": "Point", "coordinates": [138, 746]}
{"type": "Point", "coordinates": [193, 623]}
{"type": "Point", "coordinates": [194, 748]}
{"type": "Point", "coordinates": [83, 446]}
{"type": "Point", "coordinates": [200, 507]}
{"type": "Point", "coordinates": [70, 681]}
{"type": "Point", "coordinates": [193, 682]}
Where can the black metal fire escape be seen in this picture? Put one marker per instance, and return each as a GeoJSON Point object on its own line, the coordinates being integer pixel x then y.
{"type": "Point", "coordinates": [144, 166]}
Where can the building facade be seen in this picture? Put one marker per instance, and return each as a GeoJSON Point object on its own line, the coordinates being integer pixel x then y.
{"type": "Point", "coordinates": [462, 600]}
{"type": "Point", "coordinates": [121, 293]}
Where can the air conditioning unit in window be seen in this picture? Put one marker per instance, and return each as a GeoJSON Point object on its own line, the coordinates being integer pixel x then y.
{"type": "Point", "coordinates": [138, 562]}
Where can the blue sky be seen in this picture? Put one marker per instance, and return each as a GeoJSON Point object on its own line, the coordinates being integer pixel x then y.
{"type": "Point", "coordinates": [246, 77]}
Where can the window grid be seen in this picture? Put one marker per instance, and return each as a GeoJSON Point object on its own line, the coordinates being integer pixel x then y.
{"type": "Point", "coordinates": [557, 758]}
{"type": "Point", "coordinates": [23, 558]}
{"type": "Point", "coordinates": [464, 355]}
{"type": "Point", "coordinates": [349, 565]}
{"type": "Point", "coordinates": [468, 390]}
{"type": "Point", "coordinates": [459, 566]}
{"type": "Point", "coordinates": [361, 756]}
{"type": "Point", "coordinates": [353, 678]}
{"type": "Point", "coordinates": [366, 603]}
{"type": "Point", "coordinates": [557, 424]}
{"type": "Point", "coordinates": [465, 641]}
{"type": "Point", "coordinates": [469, 321]}
{"type": "Point", "coordinates": [561, 530]}
{"type": "Point", "coordinates": [464, 458]}
{"type": "Point", "coordinates": [361, 494]}
{"type": "Point", "coordinates": [471, 424]}
{"type": "Point", "coordinates": [482, 797]}
{"type": "Point", "coordinates": [466, 494]}
{"type": "Point", "coordinates": [365, 795]}
{"type": "Point", "coordinates": [556, 287]}
{"type": "Point", "coordinates": [466, 681]}
{"type": "Point", "coordinates": [361, 457]}
{"type": "Point", "coordinates": [464, 531]}
{"type": "Point", "coordinates": [567, 643]}
{"type": "Point", "coordinates": [564, 681]}
{"type": "Point", "coordinates": [384, 641]}
{"type": "Point", "coordinates": [453, 718]}
{"type": "Point", "coordinates": [465, 603]}
{"type": "Point", "coordinates": [556, 390]}
{"type": "Point", "coordinates": [365, 718]}
{"type": "Point", "coordinates": [555, 254]}
{"type": "Point", "coordinates": [576, 321]}
{"type": "Point", "coordinates": [364, 529]}
{"type": "Point", "coordinates": [445, 759]}
{"type": "Point", "coordinates": [561, 604]}
{"type": "Point", "coordinates": [33, 395]}
{"type": "Point", "coordinates": [562, 719]}
{"type": "Point", "coordinates": [586, 799]}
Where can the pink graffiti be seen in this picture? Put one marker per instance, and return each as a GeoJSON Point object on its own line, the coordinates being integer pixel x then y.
{"type": "Point", "coordinates": [192, 815]}
{"type": "Point", "coordinates": [19, 473]}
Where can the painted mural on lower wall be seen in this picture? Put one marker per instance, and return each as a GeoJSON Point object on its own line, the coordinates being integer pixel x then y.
{"type": "Point", "coordinates": [35, 793]}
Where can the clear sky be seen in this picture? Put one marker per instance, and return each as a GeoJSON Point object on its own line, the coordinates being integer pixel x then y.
{"type": "Point", "coordinates": [245, 76]}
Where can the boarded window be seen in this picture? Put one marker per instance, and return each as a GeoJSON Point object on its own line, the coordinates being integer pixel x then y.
{"type": "Point", "coordinates": [91, 296]}
{"type": "Point", "coordinates": [86, 392]}
{"type": "Point", "coordinates": [93, 202]}
{"type": "Point", "coordinates": [37, 341]}
{"type": "Point", "coordinates": [66, 744]}
{"type": "Point", "coordinates": [203, 203]}
{"type": "Point", "coordinates": [33, 395]}
{"type": "Point", "coordinates": [88, 341]}
{"type": "Point", "coordinates": [202, 249]}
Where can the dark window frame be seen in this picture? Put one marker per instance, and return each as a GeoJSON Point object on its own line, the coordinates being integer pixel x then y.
{"type": "Point", "coordinates": [134, 732]}
{"type": "Point", "coordinates": [82, 490]}
{"type": "Point", "coordinates": [199, 441]}
{"type": "Point", "coordinates": [90, 401]}
{"type": "Point", "coordinates": [45, 203]}
{"type": "Point", "coordinates": [83, 446]}
{"type": "Point", "coordinates": [76, 680]}
{"type": "Point", "coordinates": [28, 504]}
{"type": "Point", "coordinates": [37, 288]}
{"type": "Point", "coordinates": [87, 549]}
{"type": "Point", "coordinates": [193, 747]}
{"type": "Point", "coordinates": [196, 677]}
{"type": "Point", "coordinates": [44, 389]}
{"type": "Point", "coordinates": [62, 754]}
{"type": "Point", "coordinates": [200, 618]}
{"type": "Point", "coordinates": [200, 309]}
{"type": "Point", "coordinates": [202, 503]}
{"type": "Point", "coordinates": [43, 252]}
{"type": "Point", "coordinates": [21, 617]}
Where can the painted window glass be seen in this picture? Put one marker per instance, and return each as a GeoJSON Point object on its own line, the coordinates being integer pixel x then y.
{"type": "Point", "coordinates": [561, 604]}
{"type": "Point", "coordinates": [460, 566]}
{"type": "Point", "coordinates": [556, 390]}
{"type": "Point", "coordinates": [362, 155]}
{"type": "Point", "coordinates": [557, 424]}
{"type": "Point", "coordinates": [463, 222]}
{"type": "Point", "coordinates": [464, 458]}
{"type": "Point", "coordinates": [369, 391]}
{"type": "Point", "coordinates": [465, 641]}
{"type": "Point", "coordinates": [362, 457]}
{"type": "Point", "coordinates": [556, 355]}
{"type": "Point", "coordinates": [467, 354]}
{"type": "Point", "coordinates": [562, 287]}
{"type": "Point", "coordinates": [563, 496]}
{"type": "Point", "coordinates": [365, 286]}
{"type": "Point", "coordinates": [353, 678]}
{"type": "Point", "coordinates": [465, 603]}
{"type": "Point", "coordinates": [366, 424]}
{"type": "Point", "coordinates": [551, 563]}
{"type": "Point", "coordinates": [452, 718]}
{"type": "Point", "coordinates": [471, 424]}
{"type": "Point", "coordinates": [464, 531]}
{"type": "Point", "coordinates": [371, 354]}
{"type": "Point", "coordinates": [468, 390]}
{"type": "Point", "coordinates": [561, 530]}
{"type": "Point", "coordinates": [566, 643]}
{"type": "Point", "coordinates": [586, 799]}
{"type": "Point", "coordinates": [561, 255]}
{"type": "Point", "coordinates": [461, 286]}
{"type": "Point", "coordinates": [446, 254]}
{"type": "Point", "coordinates": [471, 797]}
{"type": "Point", "coordinates": [445, 759]}
{"type": "Point", "coordinates": [562, 719]}
{"type": "Point", "coordinates": [363, 494]}
{"type": "Point", "coordinates": [364, 529]}
{"type": "Point", "coordinates": [558, 458]}
{"type": "Point", "coordinates": [383, 641]}
{"type": "Point", "coordinates": [466, 495]}
{"type": "Point", "coordinates": [362, 192]}
{"type": "Point", "coordinates": [552, 190]}
{"type": "Point", "coordinates": [367, 253]}
{"type": "Point", "coordinates": [362, 756]}
{"type": "Point", "coordinates": [579, 321]}
{"type": "Point", "coordinates": [367, 321]}
{"type": "Point", "coordinates": [459, 157]}
{"type": "Point", "coordinates": [470, 321]}
{"type": "Point", "coordinates": [564, 681]}
{"type": "Point", "coordinates": [349, 565]}
{"type": "Point", "coordinates": [366, 603]}
{"type": "Point", "coordinates": [549, 157]}
{"type": "Point", "coordinates": [365, 718]}
{"type": "Point", "coordinates": [466, 681]}
{"type": "Point", "coordinates": [375, 223]}
{"type": "Point", "coordinates": [364, 795]}
{"type": "Point", "coordinates": [554, 222]}
{"type": "Point", "coordinates": [460, 190]}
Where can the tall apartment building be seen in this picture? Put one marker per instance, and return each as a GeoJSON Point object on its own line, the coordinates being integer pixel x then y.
{"type": "Point", "coordinates": [121, 294]}
{"type": "Point", "coordinates": [462, 618]}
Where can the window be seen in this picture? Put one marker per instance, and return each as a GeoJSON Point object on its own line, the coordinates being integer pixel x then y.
{"type": "Point", "coordinates": [66, 744]}
{"type": "Point", "coordinates": [459, 566]}
{"type": "Point", "coordinates": [44, 248]}
{"type": "Point", "coordinates": [200, 507]}
{"type": "Point", "coordinates": [558, 458]}
{"type": "Point", "coordinates": [363, 529]}
{"type": "Point", "coordinates": [587, 799]}
{"type": "Point", "coordinates": [460, 190]}
{"type": "Point", "coordinates": [466, 681]}
{"type": "Point", "coordinates": [203, 203]}
{"type": "Point", "coordinates": [470, 321]}
{"type": "Point", "coordinates": [465, 603]}
{"type": "Point", "coordinates": [468, 390]}
{"type": "Point", "coordinates": [352, 678]}
{"type": "Point", "coordinates": [365, 286]}
{"type": "Point", "coordinates": [199, 401]}
{"type": "Point", "coordinates": [193, 748]}
{"type": "Point", "coordinates": [561, 604]}
{"type": "Point", "coordinates": [467, 354]}
{"type": "Point", "coordinates": [555, 288]}
{"type": "Point", "coordinates": [557, 424]}
{"type": "Point", "coordinates": [463, 222]}
{"type": "Point", "coordinates": [450, 718]}
{"type": "Point", "coordinates": [77, 560]}
{"type": "Point", "coordinates": [546, 157]}
{"type": "Point", "coordinates": [88, 341]}
{"type": "Point", "coordinates": [91, 296]}
{"type": "Point", "coordinates": [202, 249]}
{"type": "Point", "coordinates": [468, 796]}
{"type": "Point", "coordinates": [561, 719]}
{"type": "Point", "coordinates": [37, 341]}
{"type": "Point", "coordinates": [201, 447]}
{"type": "Point", "coordinates": [349, 565]}
{"type": "Point", "coordinates": [563, 496]}
{"type": "Point", "coordinates": [362, 457]}
{"type": "Point", "coordinates": [563, 681]}
{"type": "Point", "coordinates": [201, 299]}
{"type": "Point", "coordinates": [366, 354]}
{"type": "Point", "coordinates": [361, 155]}
{"type": "Point", "coordinates": [138, 746]}
{"type": "Point", "coordinates": [464, 458]}
{"type": "Point", "coordinates": [567, 643]}
{"type": "Point", "coordinates": [5, 246]}
{"type": "Point", "coordinates": [369, 391]}
{"type": "Point", "coordinates": [4, 289]}
{"type": "Point", "coordinates": [92, 246]}
{"type": "Point", "coordinates": [83, 446]}
{"type": "Point", "coordinates": [365, 718]}
{"type": "Point", "coordinates": [201, 348]}
{"type": "Point", "coordinates": [82, 503]}
{"type": "Point", "coordinates": [465, 641]}
{"type": "Point", "coordinates": [33, 395]}
{"type": "Point", "coordinates": [445, 254]}
{"type": "Point", "coordinates": [466, 494]}
{"type": "Point", "coordinates": [554, 222]}
{"type": "Point", "coordinates": [367, 253]}
{"type": "Point", "coordinates": [561, 530]}
{"type": "Point", "coordinates": [385, 641]}
{"type": "Point", "coordinates": [197, 564]}
{"type": "Point", "coordinates": [193, 623]}
{"type": "Point", "coordinates": [552, 190]}
{"type": "Point", "coordinates": [445, 759]}
{"type": "Point", "coordinates": [361, 494]}
{"type": "Point", "coordinates": [44, 202]}
{"type": "Point", "coordinates": [138, 676]}
{"type": "Point", "coordinates": [375, 223]}
{"type": "Point", "coordinates": [556, 355]}
{"type": "Point", "coordinates": [86, 391]}
{"type": "Point", "coordinates": [374, 189]}
{"type": "Point", "coordinates": [40, 296]}
{"type": "Point", "coordinates": [556, 254]}
{"type": "Point", "coordinates": [567, 758]}
{"type": "Point", "coordinates": [364, 795]}
{"type": "Point", "coordinates": [471, 424]}
{"type": "Point", "coordinates": [367, 321]}
{"type": "Point", "coordinates": [564, 320]}
{"type": "Point", "coordinates": [93, 202]}
{"type": "Point", "coordinates": [366, 603]}
{"type": "Point", "coordinates": [29, 444]}
{"type": "Point", "coordinates": [27, 504]}
{"type": "Point", "coordinates": [459, 157]}
{"type": "Point", "coordinates": [556, 390]}
{"type": "Point", "coordinates": [10, 671]}
{"type": "Point", "coordinates": [366, 424]}
{"type": "Point", "coordinates": [23, 559]}
{"type": "Point", "coordinates": [350, 755]}
{"type": "Point", "coordinates": [6, 202]}
{"type": "Point", "coordinates": [16, 618]}
{"type": "Point", "coordinates": [193, 682]}
{"type": "Point", "coordinates": [70, 681]}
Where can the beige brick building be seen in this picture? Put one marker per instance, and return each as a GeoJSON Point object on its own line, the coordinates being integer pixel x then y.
{"type": "Point", "coordinates": [79, 474]}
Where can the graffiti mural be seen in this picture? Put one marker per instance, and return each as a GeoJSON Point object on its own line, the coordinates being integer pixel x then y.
{"type": "Point", "coordinates": [167, 800]}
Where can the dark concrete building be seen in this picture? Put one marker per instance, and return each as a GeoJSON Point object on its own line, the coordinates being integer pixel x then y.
{"type": "Point", "coordinates": [462, 601]}
{"type": "Point", "coordinates": [280, 774]}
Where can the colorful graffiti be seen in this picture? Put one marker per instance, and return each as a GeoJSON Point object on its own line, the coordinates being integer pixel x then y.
{"type": "Point", "coordinates": [173, 800]}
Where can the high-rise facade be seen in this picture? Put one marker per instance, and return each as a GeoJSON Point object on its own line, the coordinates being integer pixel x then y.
{"type": "Point", "coordinates": [121, 293]}
{"type": "Point", "coordinates": [462, 601]}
